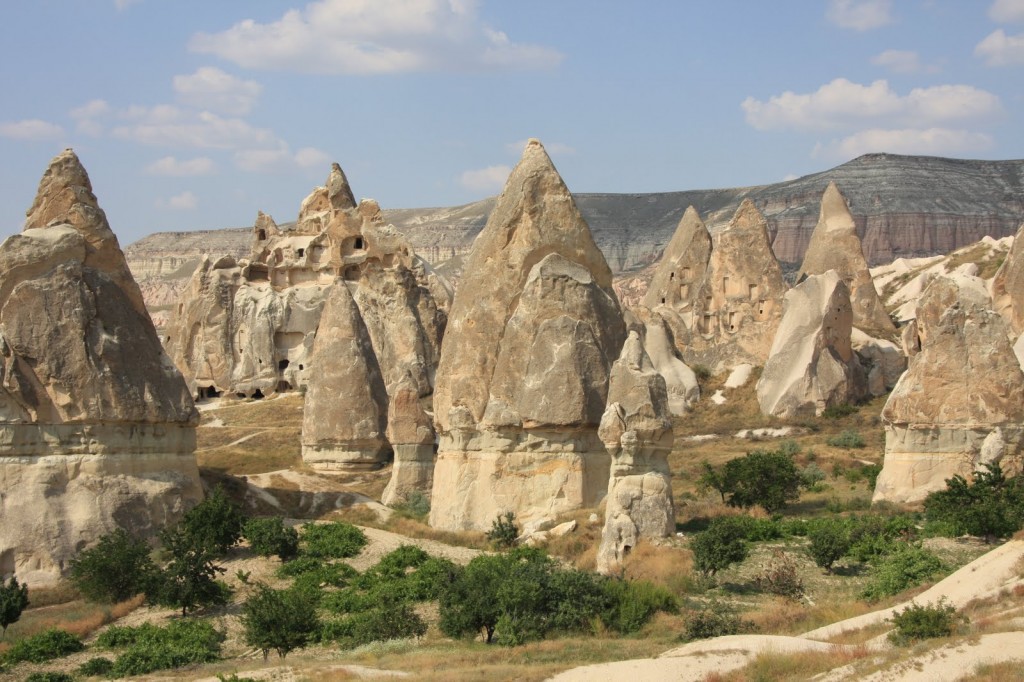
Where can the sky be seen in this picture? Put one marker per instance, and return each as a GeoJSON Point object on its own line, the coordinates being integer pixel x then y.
{"type": "Point", "coordinates": [195, 114]}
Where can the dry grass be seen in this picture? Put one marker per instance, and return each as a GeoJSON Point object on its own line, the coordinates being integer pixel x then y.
{"type": "Point", "coordinates": [801, 666]}
{"type": "Point", "coordinates": [1010, 671]}
{"type": "Point", "coordinates": [80, 618]}
{"type": "Point", "coordinates": [268, 450]}
{"type": "Point", "coordinates": [284, 410]}
{"type": "Point", "coordinates": [665, 565]}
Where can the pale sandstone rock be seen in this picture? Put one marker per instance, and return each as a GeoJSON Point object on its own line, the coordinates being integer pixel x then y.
{"type": "Point", "coordinates": [682, 265]}
{"type": "Point", "coordinates": [812, 364]}
{"type": "Point", "coordinates": [909, 340]}
{"type": "Point", "coordinates": [523, 376]}
{"type": "Point", "coordinates": [345, 414]}
{"type": "Point", "coordinates": [963, 385]}
{"type": "Point", "coordinates": [739, 375]}
{"type": "Point", "coordinates": [97, 428]}
{"type": "Point", "coordinates": [638, 434]}
{"type": "Point", "coordinates": [883, 359]}
{"type": "Point", "coordinates": [411, 434]}
{"type": "Point", "coordinates": [1008, 286]}
{"type": "Point", "coordinates": [835, 246]}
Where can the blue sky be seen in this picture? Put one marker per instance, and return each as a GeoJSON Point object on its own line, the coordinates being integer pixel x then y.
{"type": "Point", "coordinates": [193, 114]}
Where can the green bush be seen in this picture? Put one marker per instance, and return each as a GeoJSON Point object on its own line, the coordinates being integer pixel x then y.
{"type": "Point", "coordinates": [189, 580]}
{"type": "Point", "coordinates": [873, 537]}
{"type": "Point", "coordinates": [416, 506]}
{"type": "Point", "coordinates": [717, 548]}
{"type": "Point", "coordinates": [96, 667]}
{"type": "Point", "coordinates": [812, 475]}
{"type": "Point", "coordinates": [838, 411]}
{"type": "Point", "coordinates": [282, 620]}
{"type": "Point", "coordinates": [714, 620]}
{"type": "Point", "coordinates": [311, 573]}
{"type": "Point", "coordinates": [847, 439]}
{"type": "Point", "coordinates": [504, 532]}
{"type": "Point", "coordinates": [45, 646]}
{"type": "Point", "coordinates": [386, 622]}
{"type": "Point", "coordinates": [13, 600]}
{"type": "Point", "coordinates": [992, 507]}
{"type": "Point", "coordinates": [908, 566]}
{"type": "Point", "coordinates": [270, 537]}
{"type": "Point", "coordinates": [634, 602]}
{"type": "Point", "coordinates": [215, 523]}
{"type": "Point", "coordinates": [829, 541]}
{"type": "Point", "coordinates": [116, 569]}
{"type": "Point", "coordinates": [335, 540]}
{"type": "Point", "coordinates": [149, 647]}
{"type": "Point", "coordinates": [768, 479]}
{"type": "Point", "coordinates": [50, 676]}
{"type": "Point", "coordinates": [918, 622]}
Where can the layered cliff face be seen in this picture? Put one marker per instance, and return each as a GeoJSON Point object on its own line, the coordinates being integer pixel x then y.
{"type": "Point", "coordinates": [523, 378]}
{"type": "Point", "coordinates": [97, 428]}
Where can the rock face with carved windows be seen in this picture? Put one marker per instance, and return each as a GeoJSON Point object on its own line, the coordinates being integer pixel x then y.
{"type": "Point", "coordinates": [97, 427]}
{"type": "Point", "coordinates": [523, 379]}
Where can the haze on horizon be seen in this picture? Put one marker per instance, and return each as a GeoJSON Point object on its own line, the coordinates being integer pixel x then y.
{"type": "Point", "coordinates": [192, 115]}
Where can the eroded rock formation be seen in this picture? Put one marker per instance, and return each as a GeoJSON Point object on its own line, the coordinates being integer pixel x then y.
{"type": "Point", "coordinates": [637, 432]}
{"type": "Point", "coordinates": [812, 364]}
{"type": "Point", "coordinates": [681, 270]}
{"type": "Point", "coordinates": [523, 377]}
{"type": "Point", "coordinates": [411, 434]}
{"type": "Point", "coordinates": [836, 246]}
{"type": "Point", "coordinates": [961, 396]}
{"type": "Point", "coordinates": [1008, 286]}
{"type": "Point", "coordinates": [97, 428]}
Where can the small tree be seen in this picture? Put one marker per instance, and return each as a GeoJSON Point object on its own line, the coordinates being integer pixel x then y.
{"type": "Point", "coordinates": [711, 479]}
{"type": "Point", "coordinates": [117, 568]}
{"type": "Point", "coordinates": [269, 536]}
{"type": "Point", "coordinates": [282, 620]}
{"type": "Point", "coordinates": [215, 522]}
{"type": "Point", "coordinates": [829, 541]}
{"type": "Point", "coordinates": [993, 507]}
{"type": "Point", "coordinates": [923, 622]}
{"type": "Point", "coordinates": [717, 548]}
{"type": "Point", "coordinates": [189, 580]}
{"type": "Point", "coordinates": [504, 532]}
{"type": "Point", "coordinates": [769, 479]}
{"type": "Point", "coordinates": [13, 600]}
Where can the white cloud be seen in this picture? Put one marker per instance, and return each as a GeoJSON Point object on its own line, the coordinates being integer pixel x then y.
{"type": "Point", "coordinates": [311, 157]}
{"type": "Point", "coordinates": [843, 103]}
{"type": "Point", "coordinates": [382, 36]}
{"type": "Point", "coordinates": [186, 201]}
{"type": "Point", "coordinates": [171, 166]}
{"type": "Point", "coordinates": [859, 15]}
{"type": "Point", "coordinates": [1007, 11]}
{"type": "Point", "coordinates": [30, 129]}
{"type": "Point", "coordinates": [557, 148]}
{"type": "Point", "coordinates": [213, 89]}
{"type": "Point", "coordinates": [86, 116]}
{"type": "Point", "coordinates": [488, 179]}
{"type": "Point", "coordinates": [169, 126]}
{"type": "Point", "coordinates": [999, 49]}
{"type": "Point", "coordinates": [263, 160]}
{"type": "Point", "coordinates": [931, 141]}
{"type": "Point", "coordinates": [902, 61]}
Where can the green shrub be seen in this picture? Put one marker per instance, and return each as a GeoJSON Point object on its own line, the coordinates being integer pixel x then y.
{"type": "Point", "coordinates": [908, 566]}
{"type": "Point", "coordinates": [215, 523]}
{"type": "Point", "coordinates": [714, 620]}
{"type": "Point", "coordinates": [416, 506]}
{"type": "Point", "coordinates": [270, 537]}
{"type": "Point", "coordinates": [96, 667]}
{"type": "Point", "coordinates": [335, 540]}
{"type": "Point", "coordinates": [13, 600]}
{"type": "Point", "coordinates": [717, 548]}
{"type": "Point", "coordinates": [838, 411]}
{"type": "Point", "coordinates": [768, 479]}
{"type": "Point", "coordinates": [149, 647]}
{"type": "Point", "coordinates": [50, 676]}
{"type": "Point", "coordinates": [918, 622]}
{"type": "Point", "coordinates": [780, 576]}
{"type": "Point", "coordinates": [45, 646]}
{"type": "Point", "coordinates": [702, 373]}
{"type": "Point", "coordinates": [829, 541]}
{"type": "Point", "coordinates": [992, 507]}
{"type": "Point", "coordinates": [504, 532]}
{"type": "Point", "coordinates": [812, 475]}
{"type": "Point", "coordinates": [189, 580]}
{"type": "Point", "coordinates": [386, 622]}
{"type": "Point", "coordinates": [282, 620]}
{"type": "Point", "coordinates": [634, 602]}
{"type": "Point", "coordinates": [847, 439]}
{"type": "Point", "coordinates": [116, 569]}
{"type": "Point", "coordinates": [311, 573]}
{"type": "Point", "coordinates": [873, 537]}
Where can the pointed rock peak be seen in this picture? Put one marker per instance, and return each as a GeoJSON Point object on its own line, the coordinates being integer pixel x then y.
{"type": "Point", "coordinates": [747, 216]}
{"type": "Point", "coordinates": [534, 157]}
{"type": "Point", "coordinates": [64, 185]}
{"type": "Point", "coordinates": [338, 190]}
{"type": "Point", "coordinates": [835, 212]}
{"type": "Point", "coordinates": [691, 222]}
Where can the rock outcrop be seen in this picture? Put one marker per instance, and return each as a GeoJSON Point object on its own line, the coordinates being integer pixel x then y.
{"type": "Point", "coordinates": [835, 245]}
{"type": "Point", "coordinates": [812, 364]}
{"type": "Point", "coordinates": [681, 270]}
{"type": "Point", "coordinates": [411, 434]}
{"type": "Point", "coordinates": [97, 428]}
{"type": "Point", "coordinates": [637, 432]}
{"type": "Point", "coordinates": [247, 327]}
{"type": "Point", "coordinates": [1008, 286]}
{"type": "Point", "coordinates": [961, 396]}
{"type": "Point", "coordinates": [523, 378]}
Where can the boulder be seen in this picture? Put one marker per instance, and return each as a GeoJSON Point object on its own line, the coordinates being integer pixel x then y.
{"type": "Point", "coordinates": [835, 245]}
{"type": "Point", "coordinates": [344, 420]}
{"type": "Point", "coordinates": [1008, 286]}
{"type": "Point", "coordinates": [523, 376]}
{"type": "Point", "coordinates": [637, 432]}
{"type": "Point", "coordinates": [97, 427]}
{"type": "Point", "coordinates": [411, 434]}
{"type": "Point", "coordinates": [812, 364]}
{"type": "Point", "coordinates": [963, 385]}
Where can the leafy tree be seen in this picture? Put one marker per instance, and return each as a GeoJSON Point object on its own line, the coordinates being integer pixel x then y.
{"type": "Point", "coordinates": [908, 566]}
{"type": "Point", "coordinates": [504, 531]}
{"type": "Point", "coordinates": [829, 541]}
{"type": "Point", "coordinates": [282, 620]}
{"type": "Point", "coordinates": [13, 600]}
{"type": "Point", "coordinates": [189, 580]}
{"type": "Point", "coordinates": [769, 479]}
{"type": "Point", "coordinates": [335, 540]}
{"type": "Point", "coordinates": [117, 568]}
{"type": "Point", "coordinates": [918, 622]}
{"type": "Point", "coordinates": [269, 536]}
{"type": "Point", "coordinates": [711, 479]}
{"type": "Point", "coordinates": [216, 522]}
{"type": "Point", "coordinates": [993, 507]}
{"type": "Point", "coordinates": [717, 548]}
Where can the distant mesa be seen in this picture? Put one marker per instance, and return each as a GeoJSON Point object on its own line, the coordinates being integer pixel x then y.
{"type": "Point", "coordinates": [97, 427]}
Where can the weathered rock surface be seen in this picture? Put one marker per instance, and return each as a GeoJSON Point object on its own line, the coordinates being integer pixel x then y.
{"type": "Point", "coordinates": [812, 364]}
{"type": "Point", "coordinates": [637, 432]}
{"type": "Point", "coordinates": [682, 267]}
{"type": "Point", "coordinates": [97, 428]}
{"type": "Point", "coordinates": [963, 385]}
{"type": "Point", "coordinates": [411, 434]}
{"type": "Point", "coordinates": [1008, 286]}
{"type": "Point", "coordinates": [523, 377]}
{"type": "Point", "coordinates": [344, 419]}
{"type": "Point", "coordinates": [680, 380]}
{"type": "Point", "coordinates": [884, 361]}
{"type": "Point", "coordinates": [836, 246]}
